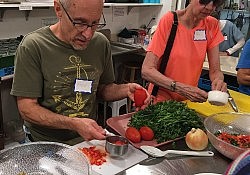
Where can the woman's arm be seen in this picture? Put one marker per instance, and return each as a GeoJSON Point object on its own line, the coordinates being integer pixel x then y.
{"type": "Point", "coordinates": [215, 74]}
{"type": "Point", "coordinates": [150, 73]}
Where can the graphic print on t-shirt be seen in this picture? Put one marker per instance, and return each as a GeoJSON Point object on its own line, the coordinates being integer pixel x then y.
{"type": "Point", "coordinates": [67, 101]}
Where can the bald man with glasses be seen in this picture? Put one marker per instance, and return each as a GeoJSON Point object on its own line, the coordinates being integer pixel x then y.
{"type": "Point", "coordinates": [61, 70]}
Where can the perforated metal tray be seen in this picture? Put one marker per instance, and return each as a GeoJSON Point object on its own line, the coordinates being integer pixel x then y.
{"type": "Point", "coordinates": [48, 158]}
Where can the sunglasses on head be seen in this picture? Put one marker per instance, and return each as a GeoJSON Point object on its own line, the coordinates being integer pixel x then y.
{"type": "Point", "coordinates": [216, 3]}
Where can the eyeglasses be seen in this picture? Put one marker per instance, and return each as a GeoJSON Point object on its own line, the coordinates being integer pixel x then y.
{"type": "Point", "coordinates": [216, 3]}
{"type": "Point", "coordinates": [81, 26]}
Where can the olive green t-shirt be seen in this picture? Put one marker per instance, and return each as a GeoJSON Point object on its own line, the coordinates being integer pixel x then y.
{"type": "Point", "coordinates": [47, 68]}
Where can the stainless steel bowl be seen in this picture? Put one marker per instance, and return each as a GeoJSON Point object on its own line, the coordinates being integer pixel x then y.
{"type": "Point", "coordinates": [115, 149]}
{"type": "Point", "coordinates": [39, 158]}
{"type": "Point", "coordinates": [230, 123]}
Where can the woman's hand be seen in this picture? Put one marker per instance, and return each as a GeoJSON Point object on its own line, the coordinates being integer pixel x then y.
{"type": "Point", "coordinates": [218, 84]}
{"type": "Point", "coordinates": [192, 93]}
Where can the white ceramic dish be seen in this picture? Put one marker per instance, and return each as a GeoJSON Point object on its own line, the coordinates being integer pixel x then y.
{"type": "Point", "coordinates": [217, 98]}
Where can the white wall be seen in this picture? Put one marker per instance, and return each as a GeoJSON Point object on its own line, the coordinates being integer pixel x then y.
{"type": "Point", "coordinates": [15, 24]}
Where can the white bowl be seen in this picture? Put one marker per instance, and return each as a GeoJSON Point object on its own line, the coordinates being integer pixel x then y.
{"type": "Point", "coordinates": [217, 98]}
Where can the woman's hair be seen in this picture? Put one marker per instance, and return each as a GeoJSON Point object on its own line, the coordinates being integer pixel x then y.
{"type": "Point", "coordinates": [216, 15]}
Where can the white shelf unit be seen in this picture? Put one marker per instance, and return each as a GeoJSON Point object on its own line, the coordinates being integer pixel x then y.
{"type": "Point", "coordinates": [28, 6]}
{"type": "Point", "coordinates": [131, 5]}
{"type": "Point", "coordinates": [51, 4]}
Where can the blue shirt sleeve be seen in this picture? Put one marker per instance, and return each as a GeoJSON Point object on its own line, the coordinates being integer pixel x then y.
{"type": "Point", "coordinates": [244, 61]}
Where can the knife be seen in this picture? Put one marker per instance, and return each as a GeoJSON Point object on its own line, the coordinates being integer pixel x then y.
{"type": "Point", "coordinates": [232, 102]}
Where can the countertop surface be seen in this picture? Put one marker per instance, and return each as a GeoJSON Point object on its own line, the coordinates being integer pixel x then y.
{"type": "Point", "coordinates": [180, 165]}
{"type": "Point", "coordinates": [170, 164]}
{"type": "Point", "coordinates": [174, 164]}
{"type": "Point", "coordinates": [227, 64]}
{"type": "Point", "coordinates": [177, 165]}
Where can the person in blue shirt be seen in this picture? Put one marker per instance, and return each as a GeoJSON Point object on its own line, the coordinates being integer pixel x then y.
{"type": "Point", "coordinates": [233, 38]}
{"type": "Point", "coordinates": [243, 69]}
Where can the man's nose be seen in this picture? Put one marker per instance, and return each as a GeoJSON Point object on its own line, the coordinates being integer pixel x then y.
{"type": "Point", "coordinates": [88, 33]}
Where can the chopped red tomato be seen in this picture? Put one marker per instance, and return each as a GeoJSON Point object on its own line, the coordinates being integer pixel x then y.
{"type": "Point", "coordinates": [95, 156]}
{"type": "Point", "coordinates": [240, 140]}
{"type": "Point", "coordinates": [119, 142]}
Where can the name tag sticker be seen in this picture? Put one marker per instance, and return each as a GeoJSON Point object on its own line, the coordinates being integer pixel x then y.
{"type": "Point", "coordinates": [200, 35]}
{"type": "Point", "coordinates": [25, 7]}
{"type": "Point", "coordinates": [83, 85]}
{"type": "Point", "coordinates": [225, 37]}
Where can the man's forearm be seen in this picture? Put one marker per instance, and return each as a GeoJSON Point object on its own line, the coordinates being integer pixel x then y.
{"type": "Point", "coordinates": [34, 113]}
{"type": "Point", "coordinates": [112, 92]}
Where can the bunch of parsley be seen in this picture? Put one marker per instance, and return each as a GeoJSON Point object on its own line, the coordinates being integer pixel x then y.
{"type": "Point", "coordinates": [168, 120]}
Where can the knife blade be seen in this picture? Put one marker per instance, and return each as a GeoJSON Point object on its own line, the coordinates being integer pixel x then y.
{"type": "Point", "coordinates": [232, 102]}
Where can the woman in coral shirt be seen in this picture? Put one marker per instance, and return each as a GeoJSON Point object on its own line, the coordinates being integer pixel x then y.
{"type": "Point", "coordinates": [197, 34]}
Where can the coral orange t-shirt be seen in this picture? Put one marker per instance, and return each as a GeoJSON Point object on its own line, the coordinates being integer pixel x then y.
{"type": "Point", "coordinates": [188, 52]}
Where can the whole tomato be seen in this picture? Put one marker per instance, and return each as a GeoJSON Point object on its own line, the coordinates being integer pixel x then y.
{"type": "Point", "coordinates": [140, 96]}
{"type": "Point", "coordinates": [146, 133]}
{"type": "Point", "coordinates": [133, 134]}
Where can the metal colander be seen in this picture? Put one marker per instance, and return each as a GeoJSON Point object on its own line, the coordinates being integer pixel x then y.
{"type": "Point", "coordinates": [230, 123]}
{"type": "Point", "coordinates": [48, 158]}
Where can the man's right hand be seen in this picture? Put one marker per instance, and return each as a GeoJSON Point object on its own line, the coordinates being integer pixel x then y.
{"type": "Point", "coordinates": [89, 129]}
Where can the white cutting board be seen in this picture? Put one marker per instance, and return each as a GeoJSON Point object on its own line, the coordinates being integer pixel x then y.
{"type": "Point", "coordinates": [114, 165]}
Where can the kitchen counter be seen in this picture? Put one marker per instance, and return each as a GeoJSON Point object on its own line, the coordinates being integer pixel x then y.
{"type": "Point", "coordinates": [227, 63]}
{"type": "Point", "coordinates": [168, 165]}
{"type": "Point", "coordinates": [180, 165]}
{"type": "Point", "coordinates": [118, 48]}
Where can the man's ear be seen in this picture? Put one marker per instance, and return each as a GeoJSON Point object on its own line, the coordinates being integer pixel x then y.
{"type": "Point", "coordinates": [58, 9]}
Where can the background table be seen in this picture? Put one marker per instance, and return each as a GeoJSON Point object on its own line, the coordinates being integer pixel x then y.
{"type": "Point", "coordinates": [227, 63]}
